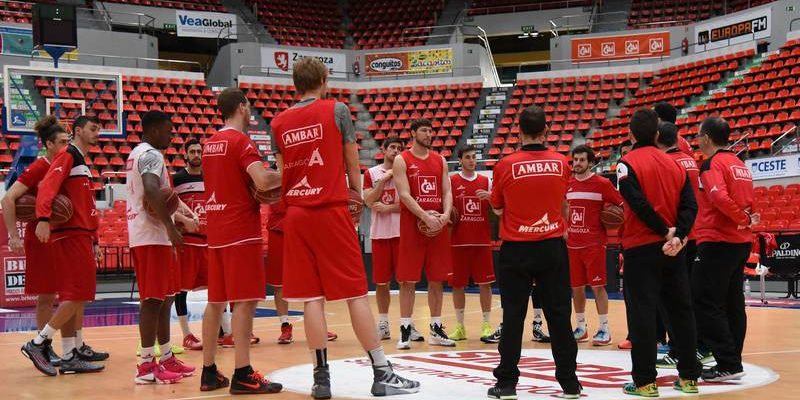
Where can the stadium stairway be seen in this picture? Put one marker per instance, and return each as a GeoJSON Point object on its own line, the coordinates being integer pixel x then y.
{"type": "Point", "coordinates": [368, 146]}
{"type": "Point", "coordinates": [607, 22]}
{"type": "Point", "coordinates": [484, 122]}
{"type": "Point", "coordinates": [450, 14]}
{"type": "Point", "coordinates": [254, 26]}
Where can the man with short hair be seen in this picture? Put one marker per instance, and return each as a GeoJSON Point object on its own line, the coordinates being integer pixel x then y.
{"type": "Point", "coordinates": [380, 195]}
{"type": "Point", "coordinates": [423, 183]}
{"type": "Point", "coordinates": [587, 195]}
{"type": "Point", "coordinates": [668, 113]}
{"type": "Point", "coordinates": [471, 241]}
{"type": "Point", "coordinates": [724, 237]}
{"type": "Point", "coordinates": [529, 192]}
{"type": "Point", "coordinates": [659, 213]}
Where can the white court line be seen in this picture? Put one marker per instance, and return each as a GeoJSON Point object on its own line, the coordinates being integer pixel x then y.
{"type": "Point", "coordinates": [771, 352]}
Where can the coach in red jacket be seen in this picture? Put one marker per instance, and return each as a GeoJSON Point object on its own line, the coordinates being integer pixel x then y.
{"type": "Point", "coordinates": [660, 209]}
{"type": "Point", "coordinates": [724, 239]}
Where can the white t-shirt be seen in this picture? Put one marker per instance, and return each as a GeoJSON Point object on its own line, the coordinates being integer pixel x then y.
{"type": "Point", "coordinates": [384, 225]}
{"type": "Point", "coordinates": [144, 230]}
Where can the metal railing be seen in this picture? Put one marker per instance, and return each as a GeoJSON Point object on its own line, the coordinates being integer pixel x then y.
{"type": "Point", "coordinates": [137, 62]}
{"type": "Point", "coordinates": [794, 142]}
{"type": "Point", "coordinates": [551, 5]}
{"type": "Point", "coordinates": [394, 75]}
{"type": "Point", "coordinates": [743, 138]}
{"type": "Point", "coordinates": [144, 23]}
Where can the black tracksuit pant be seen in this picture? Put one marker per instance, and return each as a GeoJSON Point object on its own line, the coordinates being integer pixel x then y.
{"type": "Point", "coordinates": [653, 279]}
{"type": "Point", "coordinates": [719, 302]}
{"type": "Point", "coordinates": [520, 264]}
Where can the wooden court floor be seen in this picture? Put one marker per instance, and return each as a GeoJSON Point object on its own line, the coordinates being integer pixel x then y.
{"type": "Point", "coordinates": [773, 341]}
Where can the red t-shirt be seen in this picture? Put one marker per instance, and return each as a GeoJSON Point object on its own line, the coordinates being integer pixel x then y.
{"type": "Point", "coordinates": [726, 196]}
{"type": "Point", "coordinates": [530, 187]}
{"type": "Point", "coordinates": [277, 212]}
{"type": "Point", "coordinates": [233, 215]}
{"type": "Point", "coordinates": [690, 165]}
{"type": "Point", "coordinates": [191, 190]}
{"type": "Point", "coordinates": [31, 178]}
{"type": "Point", "coordinates": [586, 199]}
{"type": "Point", "coordinates": [472, 228]}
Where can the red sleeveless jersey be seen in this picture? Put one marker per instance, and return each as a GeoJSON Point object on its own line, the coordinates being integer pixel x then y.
{"type": "Point", "coordinates": [424, 181]}
{"type": "Point", "coordinates": [472, 228]}
{"type": "Point", "coordinates": [313, 163]}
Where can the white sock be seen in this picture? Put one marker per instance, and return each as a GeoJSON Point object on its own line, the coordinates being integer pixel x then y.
{"type": "Point", "coordinates": [383, 318]}
{"type": "Point", "coordinates": [284, 319]}
{"type": "Point", "coordinates": [436, 320]}
{"type": "Point", "coordinates": [581, 320]}
{"type": "Point", "coordinates": [148, 354]}
{"type": "Point", "coordinates": [226, 323]}
{"type": "Point", "coordinates": [537, 315]}
{"type": "Point", "coordinates": [166, 351]}
{"type": "Point", "coordinates": [603, 321]}
{"type": "Point", "coordinates": [405, 322]}
{"type": "Point", "coordinates": [79, 338]}
{"type": "Point", "coordinates": [378, 357]}
{"type": "Point", "coordinates": [460, 315]}
{"type": "Point", "coordinates": [46, 333]}
{"type": "Point", "coordinates": [486, 316]}
{"type": "Point", "coordinates": [67, 345]}
{"type": "Point", "coordinates": [184, 321]}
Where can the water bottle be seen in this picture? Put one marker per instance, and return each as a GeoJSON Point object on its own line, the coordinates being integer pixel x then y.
{"type": "Point", "coordinates": [747, 287]}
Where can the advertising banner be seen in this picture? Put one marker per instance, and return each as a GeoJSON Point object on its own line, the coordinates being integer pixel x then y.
{"type": "Point", "coordinates": [281, 61]}
{"type": "Point", "coordinates": [12, 294]}
{"type": "Point", "coordinates": [430, 61]}
{"type": "Point", "coordinates": [740, 28]}
{"type": "Point", "coordinates": [205, 24]}
{"type": "Point", "coordinates": [785, 260]}
{"type": "Point", "coordinates": [774, 167]}
{"type": "Point", "coordinates": [620, 47]}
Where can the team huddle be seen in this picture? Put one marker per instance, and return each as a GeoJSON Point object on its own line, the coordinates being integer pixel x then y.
{"type": "Point", "coordinates": [202, 229]}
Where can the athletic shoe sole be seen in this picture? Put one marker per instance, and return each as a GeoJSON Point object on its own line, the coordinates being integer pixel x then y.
{"type": "Point", "coordinates": [599, 343]}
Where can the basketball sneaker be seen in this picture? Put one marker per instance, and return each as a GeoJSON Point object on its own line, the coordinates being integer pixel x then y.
{"type": "Point", "coordinates": [494, 337]}
{"type": "Point", "coordinates": [649, 390]}
{"type": "Point", "coordinates": [405, 338]}
{"type": "Point", "coordinates": [76, 365]}
{"type": "Point", "coordinates": [384, 333]}
{"type": "Point", "coordinates": [415, 335]}
{"type": "Point", "coordinates": [438, 337]}
{"type": "Point", "coordinates": [685, 385]}
{"type": "Point", "coordinates": [37, 353]}
{"type": "Point", "coordinates": [212, 379]}
{"type": "Point", "coordinates": [538, 333]}
{"type": "Point", "coordinates": [332, 336]}
{"type": "Point", "coordinates": [227, 341]}
{"type": "Point", "coordinates": [88, 354]}
{"type": "Point", "coordinates": [581, 334]}
{"type": "Point", "coordinates": [321, 389]}
{"type": "Point", "coordinates": [387, 383]}
{"type": "Point", "coordinates": [286, 334]}
{"type": "Point", "coordinates": [172, 364]}
{"type": "Point", "coordinates": [714, 374]}
{"type": "Point", "coordinates": [486, 329]}
{"type": "Point", "coordinates": [460, 333]}
{"type": "Point", "coordinates": [150, 372]}
{"type": "Point", "coordinates": [601, 338]}
{"type": "Point", "coordinates": [572, 393]}
{"type": "Point", "coordinates": [704, 357]}
{"type": "Point", "coordinates": [625, 345]}
{"type": "Point", "coordinates": [254, 339]}
{"type": "Point", "coordinates": [502, 393]}
{"type": "Point", "coordinates": [663, 348]}
{"type": "Point", "coordinates": [191, 342]}
{"type": "Point", "coordinates": [667, 362]}
{"type": "Point", "coordinates": [51, 354]}
{"type": "Point", "coordinates": [253, 383]}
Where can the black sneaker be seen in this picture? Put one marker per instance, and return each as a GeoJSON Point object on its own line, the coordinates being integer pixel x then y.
{"type": "Point", "coordinates": [387, 383]}
{"type": "Point", "coordinates": [322, 383]}
{"type": "Point", "coordinates": [538, 333]}
{"type": "Point", "coordinates": [495, 337]}
{"type": "Point", "coordinates": [37, 353]}
{"type": "Point", "coordinates": [572, 393]}
{"type": "Point", "coordinates": [55, 360]}
{"type": "Point", "coordinates": [212, 379]}
{"type": "Point", "coordinates": [502, 393]}
{"type": "Point", "coordinates": [405, 338]}
{"type": "Point", "coordinates": [714, 374]}
{"type": "Point", "coordinates": [88, 354]}
{"type": "Point", "coordinates": [254, 383]}
{"type": "Point", "coordinates": [76, 365]}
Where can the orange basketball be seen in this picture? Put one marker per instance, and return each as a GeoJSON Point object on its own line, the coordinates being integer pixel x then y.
{"type": "Point", "coordinates": [612, 216]}
{"type": "Point", "coordinates": [26, 208]}
{"type": "Point", "coordinates": [62, 210]}
{"type": "Point", "coordinates": [170, 199]}
{"type": "Point", "coordinates": [424, 229]}
{"type": "Point", "coordinates": [355, 204]}
{"type": "Point", "coordinates": [266, 197]}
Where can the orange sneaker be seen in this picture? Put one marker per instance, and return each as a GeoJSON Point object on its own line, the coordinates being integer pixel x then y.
{"type": "Point", "coordinates": [254, 339]}
{"type": "Point", "coordinates": [625, 345]}
{"type": "Point", "coordinates": [191, 342]}
{"type": "Point", "coordinates": [227, 341]}
{"type": "Point", "coordinates": [332, 336]}
{"type": "Point", "coordinates": [286, 334]}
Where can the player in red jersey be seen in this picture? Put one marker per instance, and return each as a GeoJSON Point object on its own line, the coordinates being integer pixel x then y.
{"type": "Point", "coordinates": [529, 195]}
{"type": "Point", "coordinates": [316, 145]}
{"type": "Point", "coordinates": [420, 175]}
{"type": "Point", "coordinates": [74, 240]}
{"type": "Point", "coordinates": [471, 241]}
{"type": "Point", "coordinates": [231, 164]}
{"type": "Point", "coordinates": [41, 272]}
{"type": "Point", "coordinates": [151, 239]}
{"type": "Point", "coordinates": [193, 257]}
{"type": "Point", "coordinates": [586, 241]}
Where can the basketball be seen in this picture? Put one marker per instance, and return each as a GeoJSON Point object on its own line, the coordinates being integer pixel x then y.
{"type": "Point", "coordinates": [611, 216]}
{"type": "Point", "coordinates": [26, 208]}
{"type": "Point", "coordinates": [62, 210]}
{"type": "Point", "coordinates": [355, 204]}
{"type": "Point", "coordinates": [170, 198]}
{"type": "Point", "coordinates": [424, 229]}
{"type": "Point", "coordinates": [266, 197]}
{"type": "Point", "coordinates": [454, 216]}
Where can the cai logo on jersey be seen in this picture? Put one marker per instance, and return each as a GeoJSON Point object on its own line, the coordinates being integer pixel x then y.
{"type": "Point", "coordinates": [527, 169]}
{"type": "Point", "coordinates": [389, 196]}
{"type": "Point", "coordinates": [542, 225]}
{"type": "Point", "coordinates": [428, 186]}
{"type": "Point", "coordinates": [213, 205]}
{"type": "Point", "coordinates": [471, 206]}
{"type": "Point", "coordinates": [577, 216]}
{"type": "Point", "coordinates": [306, 134]}
{"type": "Point", "coordinates": [303, 189]}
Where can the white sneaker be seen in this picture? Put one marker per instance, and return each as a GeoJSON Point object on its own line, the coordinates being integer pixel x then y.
{"type": "Point", "coordinates": [405, 338]}
{"type": "Point", "coordinates": [415, 335]}
{"type": "Point", "coordinates": [439, 338]}
{"type": "Point", "coordinates": [384, 333]}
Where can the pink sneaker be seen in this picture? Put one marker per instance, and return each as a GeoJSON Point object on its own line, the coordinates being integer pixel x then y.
{"type": "Point", "coordinates": [191, 342]}
{"type": "Point", "coordinates": [151, 373]}
{"type": "Point", "coordinates": [172, 364]}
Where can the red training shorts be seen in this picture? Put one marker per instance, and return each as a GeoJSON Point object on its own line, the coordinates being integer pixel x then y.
{"type": "Point", "coordinates": [77, 268]}
{"type": "Point", "coordinates": [587, 266]}
{"type": "Point", "coordinates": [418, 251]}
{"type": "Point", "coordinates": [157, 271]}
{"type": "Point", "coordinates": [322, 257]}
{"type": "Point", "coordinates": [41, 270]}
{"type": "Point", "coordinates": [472, 261]}
{"type": "Point", "coordinates": [274, 265]}
{"type": "Point", "coordinates": [193, 261]}
{"type": "Point", "coordinates": [385, 253]}
{"type": "Point", "coordinates": [236, 273]}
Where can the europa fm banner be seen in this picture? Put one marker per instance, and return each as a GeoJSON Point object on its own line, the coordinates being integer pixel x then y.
{"type": "Point", "coordinates": [739, 28]}
{"type": "Point", "coordinates": [621, 47]}
{"type": "Point", "coordinates": [281, 61]}
{"type": "Point", "coordinates": [430, 61]}
{"type": "Point", "coordinates": [205, 24]}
